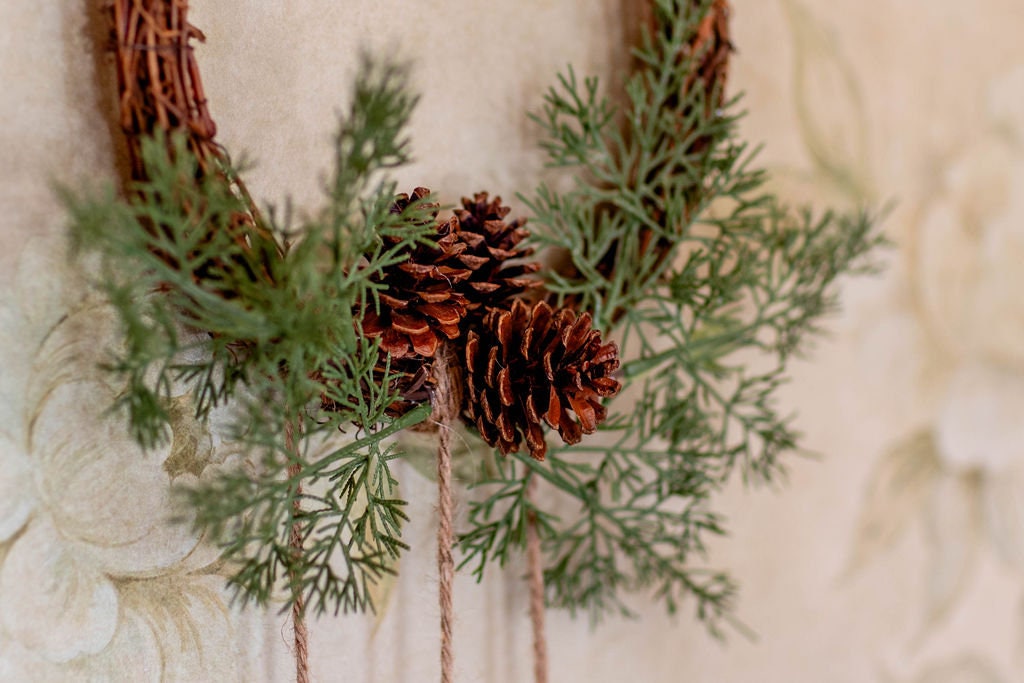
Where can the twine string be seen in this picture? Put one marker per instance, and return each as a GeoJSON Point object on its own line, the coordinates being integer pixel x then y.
{"type": "Point", "coordinates": [295, 543]}
{"type": "Point", "coordinates": [443, 414]}
{"type": "Point", "coordinates": [535, 571]}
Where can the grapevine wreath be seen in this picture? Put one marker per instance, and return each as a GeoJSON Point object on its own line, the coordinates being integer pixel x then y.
{"type": "Point", "coordinates": [380, 315]}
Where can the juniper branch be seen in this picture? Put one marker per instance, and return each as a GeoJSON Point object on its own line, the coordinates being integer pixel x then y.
{"type": "Point", "coordinates": [738, 280]}
{"type": "Point", "coordinates": [269, 333]}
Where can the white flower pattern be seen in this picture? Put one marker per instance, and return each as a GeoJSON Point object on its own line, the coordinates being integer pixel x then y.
{"type": "Point", "coordinates": [962, 472]}
{"type": "Point", "coordinates": [95, 580]}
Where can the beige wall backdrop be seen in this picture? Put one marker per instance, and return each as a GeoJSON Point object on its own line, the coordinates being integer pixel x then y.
{"type": "Point", "coordinates": [896, 554]}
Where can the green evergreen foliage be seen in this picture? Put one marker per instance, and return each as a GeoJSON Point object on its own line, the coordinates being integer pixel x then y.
{"type": "Point", "coordinates": [738, 282]}
{"type": "Point", "coordinates": [736, 276]}
{"type": "Point", "coordinates": [170, 267]}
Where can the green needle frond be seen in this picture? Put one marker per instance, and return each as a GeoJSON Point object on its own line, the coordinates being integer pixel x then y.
{"type": "Point", "coordinates": [265, 330]}
{"type": "Point", "coordinates": [716, 285]}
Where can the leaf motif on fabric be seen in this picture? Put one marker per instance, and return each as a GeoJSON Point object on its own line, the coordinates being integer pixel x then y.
{"type": "Point", "coordinates": [829, 104]}
{"type": "Point", "coordinates": [969, 668]}
{"type": "Point", "coordinates": [897, 493]}
{"type": "Point", "coordinates": [190, 624]}
{"type": "Point", "coordinates": [953, 534]}
{"type": "Point", "coordinates": [191, 443]}
{"type": "Point", "coordinates": [1002, 499]}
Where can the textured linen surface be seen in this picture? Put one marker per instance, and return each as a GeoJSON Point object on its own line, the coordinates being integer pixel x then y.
{"type": "Point", "coordinates": [897, 556]}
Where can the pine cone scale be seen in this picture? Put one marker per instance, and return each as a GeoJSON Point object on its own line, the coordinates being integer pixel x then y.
{"type": "Point", "coordinates": [535, 441]}
{"type": "Point", "coordinates": [554, 411]}
{"type": "Point", "coordinates": [485, 287]}
{"type": "Point", "coordinates": [393, 302]}
{"type": "Point", "coordinates": [473, 262]}
{"type": "Point", "coordinates": [411, 325]}
{"type": "Point", "coordinates": [372, 325]}
{"type": "Point", "coordinates": [444, 313]}
{"type": "Point", "coordinates": [435, 297]}
{"type": "Point", "coordinates": [505, 388]}
{"type": "Point", "coordinates": [585, 412]}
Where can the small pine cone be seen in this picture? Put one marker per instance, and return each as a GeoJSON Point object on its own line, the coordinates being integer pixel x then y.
{"type": "Point", "coordinates": [532, 364]}
{"type": "Point", "coordinates": [492, 242]}
{"type": "Point", "coordinates": [422, 304]}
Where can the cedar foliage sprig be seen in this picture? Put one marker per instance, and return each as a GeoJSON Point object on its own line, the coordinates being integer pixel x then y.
{"type": "Point", "coordinates": [271, 346]}
{"type": "Point", "coordinates": [738, 281]}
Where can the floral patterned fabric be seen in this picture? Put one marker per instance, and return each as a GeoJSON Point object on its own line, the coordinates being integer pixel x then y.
{"type": "Point", "coordinates": [94, 576]}
{"type": "Point", "coordinates": [896, 557]}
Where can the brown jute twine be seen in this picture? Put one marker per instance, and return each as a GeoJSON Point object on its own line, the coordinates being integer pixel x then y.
{"type": "Point", "coordinates": [443, 413]}
{"type": "Point", "coordinates": [295, 543]}
{"type": "Point", "coordinates": [536, 580]}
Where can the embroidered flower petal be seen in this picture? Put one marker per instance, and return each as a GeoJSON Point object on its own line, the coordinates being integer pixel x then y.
{"type": "Point", "coordinates": [16, 491]}
{"type": "Point", "coordinates": [55, 600]}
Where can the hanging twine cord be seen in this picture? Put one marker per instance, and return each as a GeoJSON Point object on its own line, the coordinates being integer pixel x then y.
{"type": "Point", "coordinates": [536, 580]}
{"type": "Point", "coordinates": [298, 609]}
{"type": "Point", "coordinates": [295, 543]}
{"type": "Point", "coordinates": [444, 412]}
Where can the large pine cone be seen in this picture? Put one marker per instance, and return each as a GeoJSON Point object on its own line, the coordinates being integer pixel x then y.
{"type": "Point", "coordinates": [491, 243]}
{"type": "Point", "coordinates": [422, 304]}
{"type": "Point", "coordinates": [533, 364]}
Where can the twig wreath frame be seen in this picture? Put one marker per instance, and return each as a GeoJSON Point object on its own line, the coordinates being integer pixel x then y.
{"type": "Point", "coordinates": [377, 317]}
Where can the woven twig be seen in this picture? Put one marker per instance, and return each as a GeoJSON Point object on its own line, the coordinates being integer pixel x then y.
{"type": "Point", "coordinates": [158, 78]}
{"type": "Point", "coordinates": [160, 89]}
{"type": "Point", "coordinates": [712, 44]}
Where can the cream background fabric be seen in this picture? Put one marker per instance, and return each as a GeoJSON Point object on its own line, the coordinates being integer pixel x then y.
{"type": "Point", "coordinates": [897, 556]}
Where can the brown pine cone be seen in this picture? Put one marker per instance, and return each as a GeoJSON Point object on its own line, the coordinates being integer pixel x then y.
{"type": "Point", "coordinates": [466, 268]}
{"type": "Point", "coordinates": [422, 303]}
{"type": "Point", "coordinates": [492, 242]}
{"type": "Point", "coordinates": [530, 364]}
